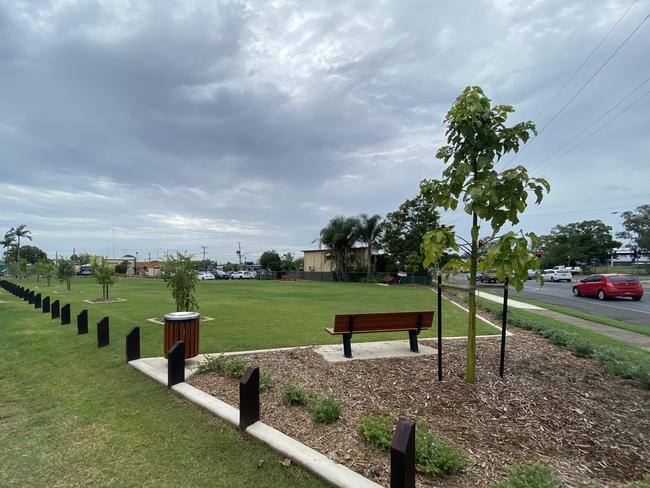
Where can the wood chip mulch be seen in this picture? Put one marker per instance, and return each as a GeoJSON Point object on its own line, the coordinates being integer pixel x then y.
{"type": "Point", "coordinates": [551, 407]}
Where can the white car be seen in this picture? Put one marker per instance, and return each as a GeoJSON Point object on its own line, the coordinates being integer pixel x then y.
{"type": "Point", "coordinates": [556, 275]}
{"type": "Point", "coordinates": [242, 275]}
{"type": "Point", "coordinates": [532, 274]}
{"type": "Point", "coordinates": [204, 275]}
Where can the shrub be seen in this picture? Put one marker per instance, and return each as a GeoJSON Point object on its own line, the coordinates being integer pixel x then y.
{"type": "Point", "coordinates": [236, 368]}
{"type": "Point", "coordinates": [560, 338]}
{"type": "Point", "coordinates": [435, 456]}
{"type": "Point", "coordinates": [325, 410]}
{"type": "Point", "coordinates": [530, 476]}
{"type": "Point", "coordinates": [266, 380]}
{"type": "Point", "coordinates": [294, 395]}
{"type": "Point", "coordinates": [213, 364]}
{"type": "Point", "coordinates": [581, 348]}
{"type": "Point", "coordinates": [377, 429]}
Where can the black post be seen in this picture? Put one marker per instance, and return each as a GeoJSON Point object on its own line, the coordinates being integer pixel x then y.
{"type": "Point", "coordinates": [402, 455]}
{"type": "Point", "coordinates": [133, 344]}
{"type": "Point", "coordinates": [30, 297]}
{"type": "Point", "coordinates": [102, 332]}
{"type": "Point", "coordinates": [65, 314]}
{"type": "Point", "coordinates": [439, 326]}
{"type": "Point", "coordinates": [38, 301]}
{"type": "Point", "coordinates": [249, 398]}
{"type": "Point", "coordinates": [46, 305]}
{"type": "Point", "coordinates": [55, 309]}
{"type": "Point", "coordinates": [82, 322]}
{"type": "Point", "coordinates": [26, 294]}
{"type": "Point", "coordinates": [176, 364]}
{"type": "Point", "coordinates": [504, 322]}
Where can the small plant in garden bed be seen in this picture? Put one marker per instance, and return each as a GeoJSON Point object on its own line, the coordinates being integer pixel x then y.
{"type": "Point", "coordinates": [213, 364]}
{"type": "Point", "coordinates": [326, 409]}
{"type": "Point", "coordinates": [235, 368]}
{"type": "Point", "coordinates": [294, 395]}
{"type": "Point", "coordinates": [433, 455]}
{"type": "Point", "coordinates": [530, 476]}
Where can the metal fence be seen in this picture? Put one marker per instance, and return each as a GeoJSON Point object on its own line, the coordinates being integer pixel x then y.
{"type": "Point", "coordinates": [410, 279]}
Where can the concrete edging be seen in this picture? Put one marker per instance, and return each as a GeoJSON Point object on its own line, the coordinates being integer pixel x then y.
{"type": "Point", "coordinates": [312, 460]}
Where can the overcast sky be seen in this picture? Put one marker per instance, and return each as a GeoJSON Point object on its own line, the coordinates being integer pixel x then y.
{"type": "Point", "coordinates": [172, 125]}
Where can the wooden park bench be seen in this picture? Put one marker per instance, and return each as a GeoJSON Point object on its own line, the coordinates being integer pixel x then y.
{"type": "Point", "coordinates": [290, 277]}
{"type": "Point", "coordinates": [389, 279]}
{"type": "Point", "coordinates": [366, 323]}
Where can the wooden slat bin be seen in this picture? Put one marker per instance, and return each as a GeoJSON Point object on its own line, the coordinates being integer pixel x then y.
{"type": "Point", "coordinates": [182, 326]}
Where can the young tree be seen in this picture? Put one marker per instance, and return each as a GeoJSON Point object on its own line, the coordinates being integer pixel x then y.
{"type": "Point", "coordinates": [123, 267]}
{"type": "Point", "coordinates": [369, 232]}
{"type": "Point", "coordinates": [404, 229]}
{"type": "Point", "coordinates": [65, 272]}
{"type": "Point", "coordinates": [45, 268]}
{"type": "Point", "coordinates": [339, 235]}
{"type": "Point", "coordinates": [270, 260]}
{"type": "Point", "coordinates": [477, 138]}
{"type": "Point", "coordinates": [637, 227]}
{"type": "Point", "coordinates": [179, 272]}
{"type": "Point", "coordinates": [103, 275]}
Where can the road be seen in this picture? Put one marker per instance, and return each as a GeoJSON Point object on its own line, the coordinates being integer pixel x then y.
{"type": "Point", "coordinates": [560, 294]}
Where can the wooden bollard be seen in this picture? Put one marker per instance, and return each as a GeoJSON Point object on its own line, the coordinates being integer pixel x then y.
{"type": "Point", "coordinates": [46, 305]}
{"type": "Point", "coordinates": [249, 398]}
{"type": "Point", "coordinates": [402, 455]}
{"type": "Point", "coordinates": [133, 344]}
{"type": "Point", "coordinates": [55, 309]}
{"type": "Point", "coordinates": [102, 332]}
{"type": "Point", "coordinates": [82, 322]}
{"type": "Point", "coordinates": [65, 314]}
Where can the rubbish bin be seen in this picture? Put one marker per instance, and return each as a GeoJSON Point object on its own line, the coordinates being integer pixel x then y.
{"type": "Point", "coordinates": [182, 326]}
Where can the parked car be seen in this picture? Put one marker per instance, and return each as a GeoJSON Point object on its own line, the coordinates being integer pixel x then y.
{"type": "Point", "coordinates": [573, 270]}
{"type": "Point", "coordinates": [488, 277]}
{"type": "Point", "coordinates": [556, 275]}
{"type": "Point", "coordinates": [532, 274]}
{"type": "Point", "coordinates": [204, 275]}
{"type": "Point", "coordinates": [242, 275]}
{"type": "Point", "coordinates": [609, 286]}
{"type": "Point", "coordinates": [220, 275]}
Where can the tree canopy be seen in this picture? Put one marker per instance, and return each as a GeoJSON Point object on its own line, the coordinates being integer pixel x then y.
{"type": "Point", "coordinates": [65, 271]}
{"type": "Point", "coordinates": [31, 254]}
{"type": "Point", "coordinates": [179, 272]}
{"type": "Point", "coordinates": [340, 234]}
{"type": "Point", "coordinates": [103, 274]}
{"type": "Point", "coordinates": [637, 227]}
{"type": "Point", "coordinates": [579, 242]}
{"type": "Point", "coordinates": [270, 260]}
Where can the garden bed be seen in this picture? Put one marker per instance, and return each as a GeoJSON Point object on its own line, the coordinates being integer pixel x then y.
{"type": "Point", "coordinates": [104, 300]}
{"type": "Point", "coordinates": [551, 407]}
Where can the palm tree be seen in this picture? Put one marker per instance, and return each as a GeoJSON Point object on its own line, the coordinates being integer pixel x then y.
{"type": "Point", "coordinates": [339, 235]}
{"type": "Point", "coordinates": [9, 240]}
{"type": "Point", "coordinates": [369, 232]}
{"type": "Point", "coordinates": [18, 232]}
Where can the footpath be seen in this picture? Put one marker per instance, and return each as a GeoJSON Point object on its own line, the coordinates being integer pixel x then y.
{"type": "Point", "coordinates": [632, 338]}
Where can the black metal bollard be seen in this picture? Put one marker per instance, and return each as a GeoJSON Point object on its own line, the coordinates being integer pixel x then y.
{"type": "Point", "coordinates": [402, 455]}
{"type": "Point", "coordinates": [102, 332]}
{"type": "Point", "coordinates": [55, 309]}
{"type": "Point", "coordinates": [38, 301]}
{"type": "Point", "coordinates": [26, 293]}
{"type": "Point", "coordinates": [30, 297]}
{"type": "Point", "coordinates": [176, 364]}
{"type": "Point", "coordinates": [82, 322]}
{"type": "Point", "coordinates": [133, 344]}
{"type": "Point", "coordinates": [46, 305]}
{"type": "Point", "coordinates": [249, 398]}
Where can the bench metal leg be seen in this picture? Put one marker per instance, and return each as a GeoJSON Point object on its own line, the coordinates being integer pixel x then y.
{"type": "Point", "coordinates": [347, 346]}
{"type": "Point", "coordinates": [413, 340]}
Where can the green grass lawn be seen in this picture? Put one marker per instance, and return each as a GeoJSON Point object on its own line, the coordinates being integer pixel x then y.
{"type": "Point", "coordinates": [74, 415]}
{"type": "Point", "coordinates": [254, 314]}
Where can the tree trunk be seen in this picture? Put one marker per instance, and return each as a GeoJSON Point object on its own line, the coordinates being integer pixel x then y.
{"type": "Point", "coordinates": [18, 250]}
{"type": "Point", "coordinates": [369, 264]}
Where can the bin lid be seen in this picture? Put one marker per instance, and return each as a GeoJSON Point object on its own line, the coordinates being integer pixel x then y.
{"type": "Point", "coordinates": [181, 316]}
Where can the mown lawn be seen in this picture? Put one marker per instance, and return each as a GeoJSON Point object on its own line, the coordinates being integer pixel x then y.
{"type": "Point", "coordinates": [74, 415]}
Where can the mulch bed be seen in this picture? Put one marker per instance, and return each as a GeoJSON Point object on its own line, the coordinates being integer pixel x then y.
{"type": "Point", "coordinates": [551, 407]}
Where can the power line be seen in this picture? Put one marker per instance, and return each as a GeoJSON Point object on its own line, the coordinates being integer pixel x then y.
{"type": "Point", "coordinates": [542, 168]}
{"type": "Point", "coordinates": [568, 143]}
{"type": "Point", "coordinates": [584, 85]}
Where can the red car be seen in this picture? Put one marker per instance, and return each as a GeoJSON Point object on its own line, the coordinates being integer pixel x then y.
{"type": "Point", "coordinates": [606, 286]}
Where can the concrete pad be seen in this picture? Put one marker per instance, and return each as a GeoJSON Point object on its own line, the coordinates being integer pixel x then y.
{"type": "Point", "coordinates": [157, 367]}
{"type": "Point", "coordinates": [333, 353]}
{"type": "Point", "coordinates": [511, 303]}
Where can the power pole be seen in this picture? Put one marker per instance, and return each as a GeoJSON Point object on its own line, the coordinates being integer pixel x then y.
{"type": "Point", "coordinates": [239, 251]}
{"type": "Point", "coordinates": [204, 248]}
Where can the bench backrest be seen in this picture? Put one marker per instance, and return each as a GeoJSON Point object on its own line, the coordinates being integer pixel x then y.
{"type": "Point", "coordinates": [370, 322]}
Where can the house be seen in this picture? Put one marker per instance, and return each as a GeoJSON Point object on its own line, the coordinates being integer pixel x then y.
{"type": "Point", "coordinates": [319, 261]}
{"type": "Point", "coordinates": [151, 269]}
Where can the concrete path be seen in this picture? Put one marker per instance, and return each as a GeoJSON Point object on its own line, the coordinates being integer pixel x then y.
{"type": "Point", "coordinates": [632, 338]}
{"type": "Point", "coordinates": [333, 353]}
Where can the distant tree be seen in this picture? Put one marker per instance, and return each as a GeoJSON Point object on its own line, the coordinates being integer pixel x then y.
{"type": "Point", "coordinates": [13, 269]}
{"type": "Point", "coordinates": [477, 138]}
{"type": "Point", "coordinates": [299, 263]}
{"type": "Point", "coordinates": [65, 271]}
{"type": "Point", "coordinates": [288, 262]}
{"type": "Point", "coordinates": [19, 232]}
{"type": "Point", "coordinates": [584, 242]}
{"type": "Point", "coordinates": [637, 227]}
{"type": "Point", "coordinates": [270, 260]}
{"type": "Point", "coordinates": [339, 235]}
{"type": "Point", "coordinates": [8, 242]}
{"type": "Point", "coordinates": [31, 254]}
{"type": "Point", "coordinates": [103, 275]}
{"type": "Point", "coordinates": [404, 230]}
{"type": "Point", "coordinates": [23, 266]}
{"type": "Point", "coordinates": [179, 272]}
{"type": "Point", "coordinates": [369, 233]}
{"type": "Point", "coordinates": [45, 268]}
{"type": "Point", "coordinates": [123, 267]}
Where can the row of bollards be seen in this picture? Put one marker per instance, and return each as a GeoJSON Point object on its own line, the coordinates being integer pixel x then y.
{"type": "Point", "coordinates": [56, 311]}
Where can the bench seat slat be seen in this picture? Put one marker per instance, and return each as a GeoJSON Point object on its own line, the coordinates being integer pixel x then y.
{"type": "Point", "coordinates": [382, 322]}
